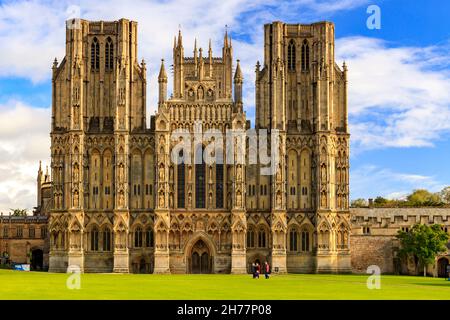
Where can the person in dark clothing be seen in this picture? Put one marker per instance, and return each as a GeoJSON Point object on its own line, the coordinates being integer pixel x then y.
{"type": "Point", "coordinates": [266, 270]}
{"type": "Point", "coordinates": [258, 270]}
{"type": "Point", "coordinates": [254, 270]}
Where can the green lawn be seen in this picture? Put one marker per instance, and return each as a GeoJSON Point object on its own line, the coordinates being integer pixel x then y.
{"type": "Point", "coordinates": [36, 285]}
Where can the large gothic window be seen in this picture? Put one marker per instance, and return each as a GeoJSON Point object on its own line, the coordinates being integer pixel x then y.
{"type": "Point", "coordinates": [291, 56]}
{"type": "Point", "coordinates": [219, 185]}
{"type": "Point", "coordinates": [261, 238]}
{"type": "Point", "coordinates": [95, 55]}
{"type": "Point", "coordinates": [305, 56]}
{"type": "Point", "coordinates": [200, 180]}
{"type": "Point", "coordinates": [138, 237]}
{"type": "Point", "coordinates": [293, 238]}
{"type": "Point", "coordinates": [106, 239]}
{"type": "Point", "coordinates": [109, 55]}
{"type": "Point", "coordinates": [94, 239]}
{"type": "Point", "coordinates": [149, 238]}
{"type": "Point", "coordinates": [250, 238]}
{"type": "Point", "coordinates": [305, 241]}
{"type": "Point", "coordinates": [180, 182]}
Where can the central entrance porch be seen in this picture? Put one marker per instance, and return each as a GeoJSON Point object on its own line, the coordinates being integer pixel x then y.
{"type": "Point", "coordinates": [200, 256]}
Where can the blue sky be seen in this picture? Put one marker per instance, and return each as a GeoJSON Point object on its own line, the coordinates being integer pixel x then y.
{"type": "Point", "coordinates": [399, 78]}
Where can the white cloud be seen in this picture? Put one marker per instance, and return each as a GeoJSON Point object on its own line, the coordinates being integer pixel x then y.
{"type": "Point", "coordinates": [24, 140]}
{"type": "Point", "coordinates": [370, 181]}
{"type": "Point", "coordinates": [396, 93]}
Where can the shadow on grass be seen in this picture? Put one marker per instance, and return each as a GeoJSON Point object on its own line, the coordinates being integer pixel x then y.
{"type": "Point", "coordinates": [444, 283]}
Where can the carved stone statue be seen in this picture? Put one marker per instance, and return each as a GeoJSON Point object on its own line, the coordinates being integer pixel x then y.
{"type": "Point", "coordinates": [121, 199]}
{"type": "Point", "coordinates": [76, 199]}
{"type": "Point", "coordinates": [75, 173]}
{"type": "Point", "coordinates": [238, 199]}
{"type": "Point", "coordinates": [161, 199]}
{"type": "Point", "coordinates": [279, 173]}
{"type": "Point", "coordinates": [161, 172]}
{"type": "Point", "coordinates": [323, 173]}
{"type": "Point", "coordinates": [278, 199]}
{"type": "Point", "coordinates": [239, 173]}
{"type": "Point", "coordinates": [121, 172]}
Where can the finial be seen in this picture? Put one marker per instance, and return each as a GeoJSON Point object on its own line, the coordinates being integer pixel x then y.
{"type": "Point", "coordinates": [238, 73]}
{"type": "Point", "coordinates": [162, 72]}
{"type": "Point", "coordinates": [225, 38]}
{"type": "Point", "coordinates": [179, 36]}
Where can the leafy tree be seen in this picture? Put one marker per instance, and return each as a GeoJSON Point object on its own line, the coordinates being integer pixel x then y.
{"type": "Point", "coordinates": [422, 197]}
{"type": "Point", "coordinates": [359, 203]}
{"type": "Point", "coordinates": [18, 212]}
{"type": "Point", "coordinates": [424, 243]}
{"type": "Point", "coordinates": [380, 201]}
{"type": "Point", "coordinates": [445, 195]}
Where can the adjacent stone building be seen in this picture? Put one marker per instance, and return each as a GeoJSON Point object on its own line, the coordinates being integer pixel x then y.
{"type": "Point", "coordinates": [24, 239]}
{"type": "Point", "coordinates": [373, 239]}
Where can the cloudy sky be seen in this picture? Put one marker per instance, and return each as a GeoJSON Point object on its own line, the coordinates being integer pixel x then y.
{"type": "Point", "coordinates": [399, 78]}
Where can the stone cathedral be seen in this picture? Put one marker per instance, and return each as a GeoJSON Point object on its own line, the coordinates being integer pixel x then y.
{"type": "Point", "coordinates": [121, 204]}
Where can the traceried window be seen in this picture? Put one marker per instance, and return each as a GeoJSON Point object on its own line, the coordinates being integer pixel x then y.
{"type": "Point", "coordinates": [305, 56]}
{"type": "Point", "coordinates": [180, 182]}
{"type": "Point", "coordinates": [219, 185]}
{"type": "Point", "coordinates": [305, 241]}
{"type": "Point", "coordinates": [293, 239]}
{"type": "Point", "coordinates": [138, 238]}
{"type": "Point", "coordinates": [19, 232]}
{"type": "Point", "coordinates": [291, 56]}
{"type": "Point", "coordinates": [31, 232]}
{"type": "Point", "coordinates": [250, 238]}
{"type": "Point", "coordinates": [149, 238]}
{"type": "Point", "coordinates": [106, 239]}
{"type": "Point", "coordinates": [261, 238]}
{"type": "Point", "coordinates": [109, 55]}
{"type": "Point", "coordinates": [95, 55]}
{"type": "Point", "coordinates": [43, 232]}
{"type": "Point", "coordinates": [200, 180]}
{"type": "Point", "coordinates": [94, 239]}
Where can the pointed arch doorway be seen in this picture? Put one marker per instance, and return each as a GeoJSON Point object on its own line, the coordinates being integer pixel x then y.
{"type": "Point", "coordinates": [200, 258]}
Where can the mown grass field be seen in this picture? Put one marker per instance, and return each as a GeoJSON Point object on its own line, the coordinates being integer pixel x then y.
{"type": "Point", "coordinates": [37, 285]}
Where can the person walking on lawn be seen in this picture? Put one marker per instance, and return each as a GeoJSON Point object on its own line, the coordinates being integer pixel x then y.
{"type": "Point", "coordinates": [266, 270]}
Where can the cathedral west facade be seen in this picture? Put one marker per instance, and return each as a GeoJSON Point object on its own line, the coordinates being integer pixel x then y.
{"type": "Point", "coordinates": [120, 203]}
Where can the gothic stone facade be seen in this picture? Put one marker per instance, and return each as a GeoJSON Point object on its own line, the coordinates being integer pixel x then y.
{"type": "Point", "coordinates": [121, 205]}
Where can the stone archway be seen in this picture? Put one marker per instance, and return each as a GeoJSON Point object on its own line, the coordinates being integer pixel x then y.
{"type": "Point", "coordinates": [199, 254]}
{"type": "Point", "coordinates": [200, 258]}
{"type": "Point", "coordinates": [442, 264]}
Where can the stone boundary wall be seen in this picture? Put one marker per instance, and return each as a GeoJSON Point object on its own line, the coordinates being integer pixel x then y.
{"type": "Point", "coordinates": [377, 245]}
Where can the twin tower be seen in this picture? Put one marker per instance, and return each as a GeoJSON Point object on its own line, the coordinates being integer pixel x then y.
{"type": "Point", "coordinates": [120, 203]}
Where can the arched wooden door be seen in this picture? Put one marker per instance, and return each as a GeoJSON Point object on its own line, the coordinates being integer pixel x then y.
{"type": "Point", "coordinates": [200, 258]}
{"type": "Point", "coordinates": [442, 268]}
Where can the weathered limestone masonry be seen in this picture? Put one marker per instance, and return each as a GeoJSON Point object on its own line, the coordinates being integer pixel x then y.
{"type": "Point", "coordinates": [373, 237]}
{"type": "Point", "coordinates": [121, 205]}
